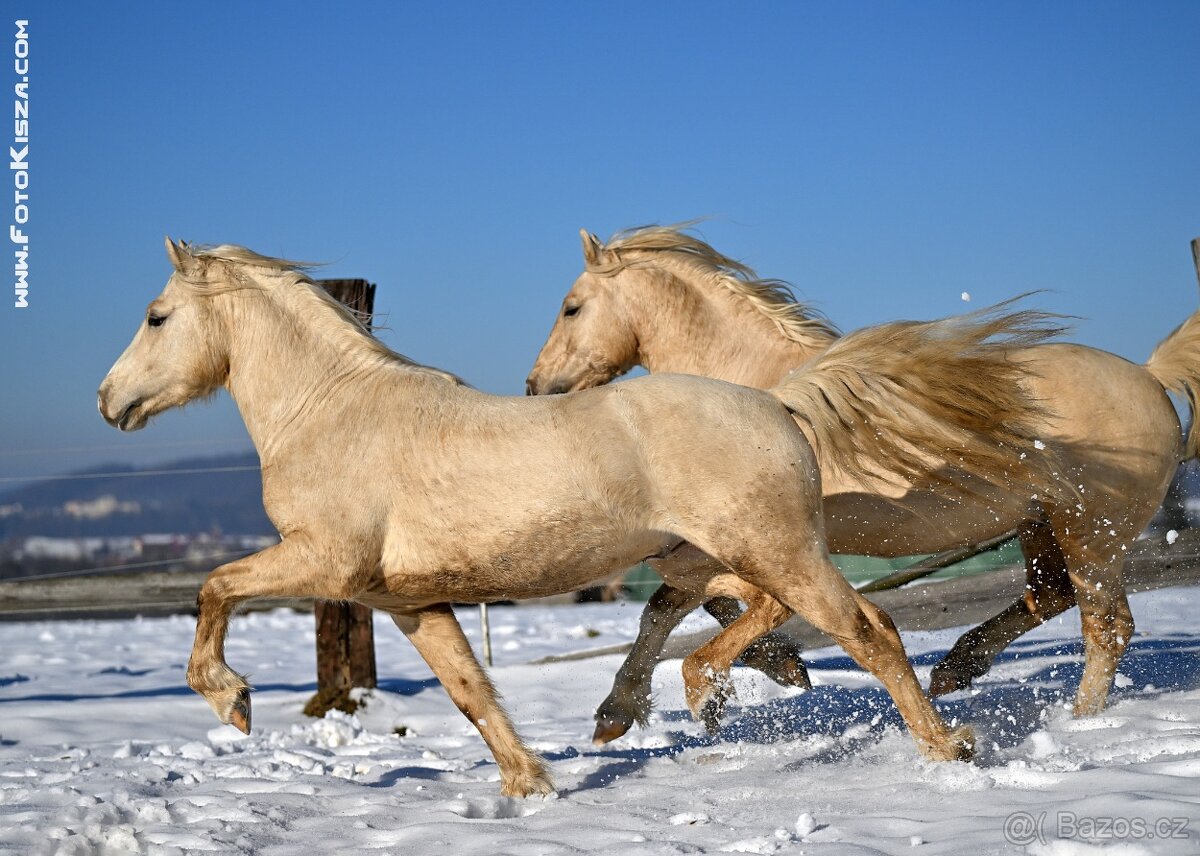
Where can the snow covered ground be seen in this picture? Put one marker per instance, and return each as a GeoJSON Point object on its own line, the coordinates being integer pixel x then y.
{"type": "Point", "coordinates": [104, 749]}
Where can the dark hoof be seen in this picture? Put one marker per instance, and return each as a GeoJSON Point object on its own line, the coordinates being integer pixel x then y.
{"type": "Point", "coordinates": [609, 728]}
{"type": "Point", "coordinates": [779, 659]}
{"type": "Point", "coordinates": [239, 715]}
{"type": "Point", "coordinates": [948, 676]}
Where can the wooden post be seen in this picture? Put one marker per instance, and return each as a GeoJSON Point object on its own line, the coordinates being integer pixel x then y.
{"type": "Point", "coordinates": [1196, 256]}
{"type": "Point", "coordinates": [345, 631]}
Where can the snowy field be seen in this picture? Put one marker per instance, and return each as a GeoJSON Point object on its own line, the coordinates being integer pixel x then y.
{"type": "Point", "coordinates": [104, 749]}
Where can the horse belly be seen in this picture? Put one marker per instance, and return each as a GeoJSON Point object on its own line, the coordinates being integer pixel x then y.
{"type": "Point", "coordinates": [919, 521]}
{"type": "Point", "coordinates": [475, 566]}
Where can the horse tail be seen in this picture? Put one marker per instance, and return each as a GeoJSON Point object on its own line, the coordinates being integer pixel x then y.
{"type": "Point", "coordinates": [930, 402]}
{"type": "Point", "coordinates": [1175, 364]}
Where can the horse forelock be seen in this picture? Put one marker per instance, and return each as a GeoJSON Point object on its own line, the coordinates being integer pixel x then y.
{"type": "Point", "coordinates": [773, 298]}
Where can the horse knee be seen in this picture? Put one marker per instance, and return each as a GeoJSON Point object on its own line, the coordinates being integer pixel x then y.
{"type": "Point", "coordinates": [212, 595]}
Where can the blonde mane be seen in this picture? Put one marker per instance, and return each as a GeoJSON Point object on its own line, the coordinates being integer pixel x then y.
{"type": "Point", "coordinates": [774, 298]}
{"type": "Point", "coordinates": [346, 328]}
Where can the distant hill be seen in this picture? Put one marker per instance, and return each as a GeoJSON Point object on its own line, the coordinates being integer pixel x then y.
{"type": "Point", "coordinates": [129, 506]}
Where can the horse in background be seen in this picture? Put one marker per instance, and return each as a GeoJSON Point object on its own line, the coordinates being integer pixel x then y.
{"type": "Point", "coordinates": [455, 495]}
{"type": "Point", "coordinates": [661, 298]}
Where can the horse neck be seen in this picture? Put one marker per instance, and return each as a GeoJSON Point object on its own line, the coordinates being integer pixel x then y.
{"type": "Point", "coordinates": [688, 325]}
{"type": "Point", "coordinates": [282, 366]}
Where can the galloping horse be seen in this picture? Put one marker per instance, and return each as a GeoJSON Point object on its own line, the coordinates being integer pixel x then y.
{"type": "Point", "coordinates": [661, 298]}
{"type": "Point", "coordinates": [454, 495]}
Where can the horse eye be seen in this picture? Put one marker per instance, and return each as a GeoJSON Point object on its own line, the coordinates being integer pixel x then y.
{"type": "Point", "coordinates": [155, 320]}
{"type": "Point", "coordinates": [570, 311]}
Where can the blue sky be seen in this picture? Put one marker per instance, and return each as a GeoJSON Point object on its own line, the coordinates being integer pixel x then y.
{"type": "Point", "coordinates": [884, 158]}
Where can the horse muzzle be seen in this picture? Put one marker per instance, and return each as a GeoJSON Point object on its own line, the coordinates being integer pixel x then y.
{"type": "Point", "coordinates": [126, 418]}
{"type": "Point", "coordinates": [534, 387]}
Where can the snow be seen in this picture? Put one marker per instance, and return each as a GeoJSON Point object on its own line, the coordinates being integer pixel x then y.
{"type": "Point", "coordinates": [104, 749]}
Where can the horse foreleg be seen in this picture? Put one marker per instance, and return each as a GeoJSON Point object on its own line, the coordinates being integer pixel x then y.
{"type": "Point", "coordinates": [706, 670]}
{"type": "Point", "coordinates": [438, 638]}
{"type": "Point", "coordinates": [286, 569]}
{"type": "Point", "coordinates": [776, 655]}
{"type": "Point", "coordinates": [1048, 592]}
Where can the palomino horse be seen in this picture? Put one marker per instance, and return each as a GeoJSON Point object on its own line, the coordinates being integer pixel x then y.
{"type": "Point", "coordinates": [661, 298]}
{"type": "Point", "coordinates": [454, 495]}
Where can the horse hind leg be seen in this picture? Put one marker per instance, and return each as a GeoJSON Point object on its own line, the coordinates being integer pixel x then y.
{"type": "Point", "coordinates": [629, 699]}
{"type": "Point", "coordinates": [1048, 592]}
{"type": "Point", "coordinates": [1105, 617]}
{"type": "Point", "coordinates": [801, 577]}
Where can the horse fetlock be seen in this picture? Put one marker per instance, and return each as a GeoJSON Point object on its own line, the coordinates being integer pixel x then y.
{"type": "Point", "coordinates": [956, 744]}
{"type": "Point", "coordinates": [1089, 703]}
{"type": "Point", "coordinates": [707, 690]}
{"type": "Point", "coordinates": [530, 777]}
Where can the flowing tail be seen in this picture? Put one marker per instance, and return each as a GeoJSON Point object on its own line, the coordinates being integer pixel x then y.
{"type": "Point", "coordinates": [929, 402]}
{"type": "Point", "coordinates": [1175, 364]}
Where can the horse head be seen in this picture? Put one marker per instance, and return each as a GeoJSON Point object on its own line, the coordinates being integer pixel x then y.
{"type": "Point", "coordinates": [593, 339]}
{"type": "Point", "coordinates": [177, 354]}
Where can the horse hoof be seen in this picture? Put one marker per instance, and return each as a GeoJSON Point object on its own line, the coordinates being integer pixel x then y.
{"type": "Point", "coordinates": [945, 681]}
{"type": "Point", "coordinates": [239, 714]}
{"type": "Point", "coordinates": [608, 729]}
{"type": "Point", "coordinates": [961, 744]}
{"type": "Point", "coordinates": [793, 673]}
{"type": "Point", "coordinates": [708, 706]}
{"type": "Point", "coordinates": [957, 745]}
{"type": "Point", "coordinates": [711, 713]}
{"type": "Point", "coordinates": [778, 661]}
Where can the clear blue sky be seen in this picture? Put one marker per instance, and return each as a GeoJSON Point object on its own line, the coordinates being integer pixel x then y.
{"type": "Point", "coordinates": [882, 157]}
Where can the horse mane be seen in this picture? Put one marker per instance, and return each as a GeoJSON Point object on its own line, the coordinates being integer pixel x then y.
{"type": "Point", "coordinates": [347, 328]}
{"type": "Point", "coordinates": [798, 321]}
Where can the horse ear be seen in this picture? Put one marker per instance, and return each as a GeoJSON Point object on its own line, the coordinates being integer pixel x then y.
{"type": "Point", "coordinates": [173, 254]}
{"type": "Point", "coordinates": [592, 249]}
{"type": "Point", "coordinates": [179, 255]}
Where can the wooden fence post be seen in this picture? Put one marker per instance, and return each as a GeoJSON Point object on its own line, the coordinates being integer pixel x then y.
{"type": "Point", "coordinates": [345, 631]}
{"type": "Point", "coordinates": [1196, 256]}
